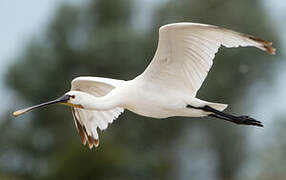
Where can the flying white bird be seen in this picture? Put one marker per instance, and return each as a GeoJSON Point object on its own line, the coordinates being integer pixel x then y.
{"type": "Point", "coordinates": [168, 86]}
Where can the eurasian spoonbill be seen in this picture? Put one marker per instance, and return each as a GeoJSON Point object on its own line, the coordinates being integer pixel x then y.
{"type": "Point", "coordinates": [167, 87]}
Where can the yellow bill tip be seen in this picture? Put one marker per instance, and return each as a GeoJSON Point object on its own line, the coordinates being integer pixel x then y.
{"type": "Point", "coordinates": [19, 112]}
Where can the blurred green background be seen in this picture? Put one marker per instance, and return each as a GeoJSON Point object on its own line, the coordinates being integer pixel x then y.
{"type": "Point", "coordinates": [118, 39]}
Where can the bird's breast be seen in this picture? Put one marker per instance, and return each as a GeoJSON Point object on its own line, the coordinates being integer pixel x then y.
{"type": "Point", "coordinates": [149, 103]}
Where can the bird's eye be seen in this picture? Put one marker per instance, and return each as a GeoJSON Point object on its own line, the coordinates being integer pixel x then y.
{"type": "Point", "coordinates": [72, 96]}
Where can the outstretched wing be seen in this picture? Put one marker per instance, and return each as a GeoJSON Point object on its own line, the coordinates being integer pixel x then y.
{"type": "Point", "coordinates": [87, 121]}
{"type": "Point", "coordinates": [186, 51]}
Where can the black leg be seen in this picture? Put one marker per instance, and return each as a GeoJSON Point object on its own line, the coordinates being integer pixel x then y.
{"type": "Point", "coordinates": [219, 117]}
{"type": "Point", "coordinates": [245, 120]}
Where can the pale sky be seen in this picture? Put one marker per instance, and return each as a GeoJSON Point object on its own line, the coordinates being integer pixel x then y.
{"type": "Point", "coordinates": [20, 21]}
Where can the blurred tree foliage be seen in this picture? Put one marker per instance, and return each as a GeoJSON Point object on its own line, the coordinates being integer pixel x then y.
{"type": "Point", "coordinates": [98, 39]}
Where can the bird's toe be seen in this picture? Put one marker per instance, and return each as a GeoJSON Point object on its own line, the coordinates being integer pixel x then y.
{"type": "Point", "coordinates": [246, 120]}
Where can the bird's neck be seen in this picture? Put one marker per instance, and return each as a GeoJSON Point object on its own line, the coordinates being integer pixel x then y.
{"type": "Point", "coordinates": [102, 103]}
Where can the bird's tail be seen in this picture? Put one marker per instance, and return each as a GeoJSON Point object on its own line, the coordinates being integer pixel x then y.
{"type": "Point", "coordinates": [217, 106]}
{"type": "Point", "coordinates": [198, 107]}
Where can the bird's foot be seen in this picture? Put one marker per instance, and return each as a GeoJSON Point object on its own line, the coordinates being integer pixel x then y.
{"type": "Point", "coordinates": [246, 120]}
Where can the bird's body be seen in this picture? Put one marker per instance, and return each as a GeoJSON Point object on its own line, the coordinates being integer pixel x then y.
{"type": "Point", "coordinates": [155, 101]}
{"type": "Point", "coordinates": [139, 98]}
{"type": "Point", "coordinates": [167, 87]}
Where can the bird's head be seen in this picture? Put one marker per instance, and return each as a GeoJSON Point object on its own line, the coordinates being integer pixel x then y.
{"type": "Point", "coordinates": [71, 98]}
{"type": "Point", "coordinates": [75, 99]}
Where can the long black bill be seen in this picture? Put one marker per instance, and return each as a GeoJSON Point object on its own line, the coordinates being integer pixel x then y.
{"type": "Point", "coordinates": [62, 99]}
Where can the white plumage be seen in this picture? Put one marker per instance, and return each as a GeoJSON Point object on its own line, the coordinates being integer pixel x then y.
{"type": "Point", "coordinates": [166, 88]}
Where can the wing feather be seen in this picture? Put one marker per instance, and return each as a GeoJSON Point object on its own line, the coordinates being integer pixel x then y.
{"type": "Point", "coordinates": [87, 121]}
{"type": "Point", "coordinates": [186, 51]}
